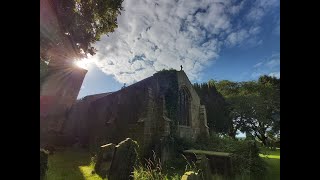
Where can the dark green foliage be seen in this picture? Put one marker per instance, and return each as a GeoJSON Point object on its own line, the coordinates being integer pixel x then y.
{"type": "Point", "coordinates": [153, 169]}
{"type": "Point", "coordinates": [254, 107]}
{"type": "Point", "coordinates": [216, 107]}
{"type": "Point", "coordinates": [181, 144]}
{"type": "Point", "coordinates": [245, 158]}
{"type": "Point", "coordinates": [171, 95]}
{"type": "Point", "coordinates": [43, 163]}
{"type": "Point", "coordinates": [166, 70]}
{"type": "Point", "coordinates": [74, 25]}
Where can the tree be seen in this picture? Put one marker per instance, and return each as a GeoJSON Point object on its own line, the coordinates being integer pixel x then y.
{"type": "Point", "coordinates": [68, 28]}
{"type": "Point", "coordinates": [268, 108]}
{"type": "Point", "coordinates": [216, 107]}
{"type": "Point", "coordinates": [236, 105]}
{"type": "Point", "coordinates": [262, 117]}
{"type": "Point", "coordinates": [254, 106]}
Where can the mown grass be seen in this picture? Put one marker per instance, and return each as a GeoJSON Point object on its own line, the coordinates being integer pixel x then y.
{"type": "Point", "coordinates": [75, 164]}
{"type": "Point", "coordinates": [272, 158]}
{"type": "Point", "coordinates": [70, 164]}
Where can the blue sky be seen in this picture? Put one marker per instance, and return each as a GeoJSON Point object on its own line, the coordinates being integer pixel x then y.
{"type": "Point", "coordinates": [216, 39]}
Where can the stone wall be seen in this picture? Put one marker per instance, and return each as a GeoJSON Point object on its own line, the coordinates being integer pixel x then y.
{"type": "Point", "coordinates": [204, 129]}
{"type": "Point", "coordinates": [145, 111]}
{"type": "Point", "coordinates": [78, 118]}
{"type": "Point", "coordinates": [61, 89]}
{"type": "Point", "coordinates": [111, 117]}
{"type": "Point", "coordinates": [63, 83]}
{"type": "Point", "coordinates": [192, 131]}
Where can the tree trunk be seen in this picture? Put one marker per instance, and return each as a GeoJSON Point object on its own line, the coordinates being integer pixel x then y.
{"type": "Point", "coordinates": [264, 140]}
{"type": "Point", "coordinates": [232, 133]}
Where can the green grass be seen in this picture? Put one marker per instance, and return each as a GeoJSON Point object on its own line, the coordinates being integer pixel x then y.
{"type": "Point", "coordinates": [270, 154]}
{"type": "Point", "coordinates": [273, 168]}
{"type": "Point", "coordinates": [70, 164]}
{"type": "Point", "coordinates": [272, 158]}
{"type": "Point", "coordinates": [267, 151]}
{"type": "Point", "coordinates": [75, 164]}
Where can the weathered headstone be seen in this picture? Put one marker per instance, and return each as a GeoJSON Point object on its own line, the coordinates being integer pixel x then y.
{"type": "Point", "coordinates": [104, 159]}
{"type": "Point", "coordinates": [123, 161]}
{"type": "Point", "coordinates": [205, 168]}
{"type": "Point", "coordinates": [190, 175]}
{"type": "Point", "coordinates": [43, 163]}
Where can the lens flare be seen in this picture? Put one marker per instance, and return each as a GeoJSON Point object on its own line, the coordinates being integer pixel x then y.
{"type": "Point", "coordinates": [84, 63]}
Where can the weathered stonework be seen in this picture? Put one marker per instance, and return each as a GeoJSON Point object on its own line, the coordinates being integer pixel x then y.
{"type": "Point", "coordinates": [58, 93]}
{"type": "Point", "coordinates": [163, 105]}
{"type": "Point", "coordinates": [104, 159]}
{"type": "Point", "coordinates": [123, 161]}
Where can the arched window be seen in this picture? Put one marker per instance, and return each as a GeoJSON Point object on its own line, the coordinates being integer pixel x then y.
{"type": "Point", "coordinates": [184, 101]}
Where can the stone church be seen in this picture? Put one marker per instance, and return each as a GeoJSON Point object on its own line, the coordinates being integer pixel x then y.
{"type": "Point", "coordinates": [148, 111]}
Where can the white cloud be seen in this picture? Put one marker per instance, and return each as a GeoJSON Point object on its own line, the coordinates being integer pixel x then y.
{"type": "Point", "coordinates": [153, 35]}
{"type": "Point", "coordinates": [260, 8]}
{"type": "Point", "coordinates": [258, 64]}
{"type": "Point", "coordinates": [273, 63]}
{"type": "Point", "coordinates": [269, 66]}
{"type": "Point", "coordinates": [276, 30]}
{"type": "Point", "coordinates": [237, 37]}
{"type": "Point", "coordinates": [275, 74]}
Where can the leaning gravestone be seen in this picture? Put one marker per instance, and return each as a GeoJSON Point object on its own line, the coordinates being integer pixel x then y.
{"type": "Point", "coordinates": [205, 168]}
{"type": "Point", "coordinates": [123, 161]}
{"type": "Point", "coordinates": [43, 163]}
{"type": "Point", "coordinates": [104, 159]}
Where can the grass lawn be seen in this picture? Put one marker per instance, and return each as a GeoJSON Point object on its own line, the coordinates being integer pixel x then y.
{"type": "Point", "coordinates": [70, 165]}
{"type": "Point", "coordinates": [75, 164]}
{"type": "Point", "coordinates": [272, 158]}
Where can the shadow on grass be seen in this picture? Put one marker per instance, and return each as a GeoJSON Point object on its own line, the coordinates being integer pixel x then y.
{"type": "Point", "coordinates": [273, 168]}
{"type": "Point", "coordinates": [71, 164]}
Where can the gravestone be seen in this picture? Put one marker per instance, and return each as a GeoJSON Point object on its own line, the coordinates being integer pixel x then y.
{"type": "Point", "coordinates": [205, 167]}
{"type": "Point", "coordinates": [43, 163]}
{"type": "Point", "coordinates": [104, 159]}
{"type": "Point", "coordinates": [123, 161]}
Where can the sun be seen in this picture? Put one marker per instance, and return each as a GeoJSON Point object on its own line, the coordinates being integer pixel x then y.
{"type": "Point", "coordinates": [84, 63]}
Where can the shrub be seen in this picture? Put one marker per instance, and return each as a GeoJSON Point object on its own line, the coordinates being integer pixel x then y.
{"type": "Point", "coordinates": [181, 144]}
{"type": "Point", "coordinates": [152, 170]}
{"type": "Point", "coordinates": [245, 153]}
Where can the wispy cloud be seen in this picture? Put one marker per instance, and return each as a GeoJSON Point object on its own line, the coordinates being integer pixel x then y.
{"type": "Point", "coordinates": [258, 64]}
{"type": "Point", "coordinates": [153, 35]}
{"type": "Point", "coordinates": [276, 30]}
{"type": "Point", "coordinates": [260, 8]}
{"type": "Point", "coordinates": [268, 66]}
{"type": "Point", "coordinates": [275, 74]}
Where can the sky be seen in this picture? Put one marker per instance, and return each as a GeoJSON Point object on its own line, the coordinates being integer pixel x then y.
{"type": "Point", "coordinates": [236, 40]}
